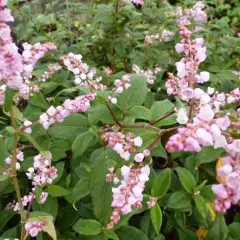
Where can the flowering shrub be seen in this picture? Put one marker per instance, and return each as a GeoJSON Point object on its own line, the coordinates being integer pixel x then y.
{"type": "Point", "coordinates": [138, 137]}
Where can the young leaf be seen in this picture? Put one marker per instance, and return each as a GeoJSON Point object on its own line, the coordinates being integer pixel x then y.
{"type": "Point", "coordinates": [187, 179]}
{"type": "Point", "coordinates": [201, 206]}
{"type": "Point", "coordinates": [87, 227]}
{"type": "Point", "coordinates": [156, 216]}
{"type": "Point", "coordinates": [161, 183]}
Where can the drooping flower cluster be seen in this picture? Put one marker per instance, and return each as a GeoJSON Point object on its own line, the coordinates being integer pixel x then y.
{"type": "Point", "coordinates": [32, 53]}
{"type": "Point", "coordinates": [19, 156]}
{"type": "Point", "coordinates": [186, 16]}
{"type": "Point", "coordinates": [228, 191]}
{"type": "Point", "coordinates": [164, 36]}
{"type": "Point", "coordinates": [33, 228]}
{"type": "Point", "coordinates": [79, 104]}
{"type": "Point", "coordinates": [11, 65]}
{"type": "Point", "coordinates": [149, 74]}
{"type": "Point", "coordinates": [124, 145]}
{"type": "Point", "coordinates": [204, 131]}
{"type": "Point", "coordinates": [129, 193]}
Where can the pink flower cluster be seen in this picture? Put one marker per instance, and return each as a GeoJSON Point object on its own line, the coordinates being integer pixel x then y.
{"type": "Point", "coordinates": [121, 85]}
{"type": "Point", "coordinates": [164, 36]}
{"type": "Point", "coordinates": [137, 2]}
{"type": "Point", "coordinates": [130, 192]}
{"type": "Point", "coordinates": [151, 202]}
{"type": "Point", "coordinates": [149, 74]}
{"type": "Point", "coordinates": [204, 131]}
{"type": "Point", "coordinates": [32, 53]}
{"type": "Point", "coordinates": [41, 174]}
{"type": "Point", "coordinates": [33, 228]}
{"type": "Point", "coordinates": [52, 69]}
{"type": "Point", "coordinates": [196, 13]}
{"type": "Point", "coordinates": [20, 157]}
{"type": "Point", "coordinates": [124, 145]}
{"type": "Point", "coordinates": [187, 67]}
{"type": "Point", "coordinates": [11, 65]}
{"type": "Point", "coordinates": [79, 104]}
{"type": "Point", "coordinates": [228, 191]}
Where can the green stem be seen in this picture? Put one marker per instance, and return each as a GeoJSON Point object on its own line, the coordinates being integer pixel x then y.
{"type": "Point", "coordinates": [14, 171]}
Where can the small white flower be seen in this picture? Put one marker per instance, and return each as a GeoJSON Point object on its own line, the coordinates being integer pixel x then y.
{"type": "Point", "coordinates": [138, 141]}
{"type": "Point", "coordinates": [182, 117]}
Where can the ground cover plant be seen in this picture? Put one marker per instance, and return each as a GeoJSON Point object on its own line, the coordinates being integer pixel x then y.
{"type": "Point", "coordinates": [120, 120]}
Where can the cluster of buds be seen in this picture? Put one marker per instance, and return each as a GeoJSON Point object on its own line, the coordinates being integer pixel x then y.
{"type": "Point", "coordinates": [53, 68]}
{"type": "Point", "coordinates": [26, 90]}
{"type": "Point", "coordinates": [19, 156]}
{"type": "Point", "coordinates": [164, 36]}
{"type": "Point", "coordinates": [33, 228]}
{"type": "Point", "coordinates": [2, 93]}
{"type": "Point", "coordinates": [32, 53]}
{"type": "Point", "coordinates": [83, 75]}
{"type": "Point", "coordinates": [228, 190]}
{"type": "Point", "coordinates": [186, 16]}
{"type": "Point", "coordinates": [112, 177]}
{"type": "Point", "coordinates": [79, 104]}
{"type": "Point", "coordinates": [11, 65]}
{"type": "Point", "coordinates": [129, 193]}
{"type": "Point", "coordinates": [149, 74]}
{"type": "Point", "coordinates": [151, 202]}
{"type": "Point", "coordinates": [124, 145]}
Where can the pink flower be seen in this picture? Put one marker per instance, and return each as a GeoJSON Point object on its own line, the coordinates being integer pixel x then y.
{"type": "Point", "coordinates": [204, 137]}
{"type": "Point", "coordinates": [139, 157]}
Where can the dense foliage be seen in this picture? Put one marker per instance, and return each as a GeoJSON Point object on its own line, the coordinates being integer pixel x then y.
{"type": "Point", "coordinates": [120, 120]}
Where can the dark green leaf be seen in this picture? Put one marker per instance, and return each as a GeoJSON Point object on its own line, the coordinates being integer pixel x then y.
{"type": "Point", "coordinates": [88, 227]}
{"type": "Point", "coordinates": [156, 216]}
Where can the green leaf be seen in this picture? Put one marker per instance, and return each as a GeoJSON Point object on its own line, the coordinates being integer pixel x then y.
{"type": "Point", "coordinates": [161, 183]}
{"type": "Point", "coordinates": [132, 233]}
{"type": "Point", "coordinates": [233, 230]}
{"type": "Point", "coordinates": [87, 227]}
{"type": "Point", "coordinates": [57, 191]}
{"type": "Point", "coordinates": [38, 100]}
{"type": "Point", "coordinates": [17, 113]}
{"type": "Point", "coordinates": [134, 95]}
{"type": "Point", "coordinates": [208, 154]}
{"type": "Point", "coordinates": [82, 142]}
{"type": "Point", "coordinates": [101, 191]}
{"type": "Point", "coordinates": [218, 230]}
{"type": "Point", "coordinates": [156, 216]}
{"type": "Point", "coordinates": [179, 201]}
{"type": "Point", "coordinates": [161, 108]}
{"type": "Point", "coordinates": [81, 189]}
{"type": "Point", "coordinates": [8, 100]}
{"type": "Point", "coordinates": [138, 112]}
{"type": "Point", "coordinates": [110, 234]}
{"type": "Point", "coordinates": [186, 179]}
{"type": "Point", "coordinates": [5, 217]}
{"type": "Point", "coordinates": [68, 130]}
{"type": "Point", "coordinates": [201, 206]}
